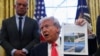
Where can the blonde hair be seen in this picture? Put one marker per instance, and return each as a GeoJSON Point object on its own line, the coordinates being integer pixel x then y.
{"type": "Point", "coordinates": [54, 20]}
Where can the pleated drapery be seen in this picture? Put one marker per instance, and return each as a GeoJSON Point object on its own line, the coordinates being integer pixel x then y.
{"type": "Point", "coordinates": [94, 7]}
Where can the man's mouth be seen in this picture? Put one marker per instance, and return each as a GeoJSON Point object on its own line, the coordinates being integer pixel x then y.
{"type": "Point", "coordinates": [46, 35]}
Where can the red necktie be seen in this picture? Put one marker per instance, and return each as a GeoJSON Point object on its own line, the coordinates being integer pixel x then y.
{"type": "Point", "coordinates": [53, 50]}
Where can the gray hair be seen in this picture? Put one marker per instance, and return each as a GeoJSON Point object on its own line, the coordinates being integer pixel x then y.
{"type": "Point", "coordinates": [55, 21]}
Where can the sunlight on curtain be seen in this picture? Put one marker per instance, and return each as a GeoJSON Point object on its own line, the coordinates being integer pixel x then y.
{"type": "Point", "coordinates": [31, 8]}
{"type": "Point", "coordinates": [94, 12]}
{"type": "Point", "coordinates": [1, 11]}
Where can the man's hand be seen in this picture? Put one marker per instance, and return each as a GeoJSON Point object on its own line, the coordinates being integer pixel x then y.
{"type": "Point", "coordinates": [80, 21]}
{"type": "Point", "coordinates": [19, 53]}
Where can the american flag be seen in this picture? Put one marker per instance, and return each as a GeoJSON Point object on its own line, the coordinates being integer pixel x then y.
{"type": "Point", "coordinates": [83, 11]}
{"type": "Point", "coordinates": [39, 13]}
{"type": "Point", "coordinates": [39, 10]}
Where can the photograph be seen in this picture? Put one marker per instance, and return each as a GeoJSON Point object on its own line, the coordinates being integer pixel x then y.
{"type": "Point", "coordinates": [74, 42]}
{"type": "Point", "coordinates": [74, 39]}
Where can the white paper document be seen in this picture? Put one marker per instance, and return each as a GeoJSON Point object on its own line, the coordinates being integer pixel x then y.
{"type": "Point", "coordinates": [74, 39]}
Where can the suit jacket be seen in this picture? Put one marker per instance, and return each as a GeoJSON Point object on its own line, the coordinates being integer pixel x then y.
{"type": "Point", "coordinates": [10, 36]}
{"type": "Point", "coordinates": [42, 49]}
{"type": "Point", "coordinates": [98, 29]}
{"type": "Point", "coordinates": [98, 35]}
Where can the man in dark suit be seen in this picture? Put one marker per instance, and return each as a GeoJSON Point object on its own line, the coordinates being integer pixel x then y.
{"type": "Point", "coordinates": [98, 35]}
{"type": "Point", "coordinates": [98, 29]}
{"type": "Point", "coordinates": [19, 33]}
{"type": "Point", "coordinates": [50, 28]}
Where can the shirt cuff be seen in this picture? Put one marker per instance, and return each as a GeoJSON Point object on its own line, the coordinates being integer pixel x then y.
{"type": "Point", "coordinates": [13, 51]}
{"type": "Point", "coordinates": [25, 50]}
{"type": "Point", "coordinates": [92, 36]}
{"type": "Point", "coordinates": [89, 26]}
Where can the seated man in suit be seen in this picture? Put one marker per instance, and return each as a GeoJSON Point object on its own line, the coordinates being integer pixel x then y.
{"type": "Point", "coordinates": [50, 28]}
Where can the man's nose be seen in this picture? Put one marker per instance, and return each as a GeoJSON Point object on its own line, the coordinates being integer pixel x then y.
{"type": "Point", "coordinates": [44, 29]}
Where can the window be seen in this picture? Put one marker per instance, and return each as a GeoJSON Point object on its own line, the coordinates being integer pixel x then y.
{"type": "Point", "coordinates": [63, 10]}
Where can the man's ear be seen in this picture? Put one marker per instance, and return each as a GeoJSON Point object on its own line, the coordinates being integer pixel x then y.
{"type": "Point", "coordinates": [58, 29]}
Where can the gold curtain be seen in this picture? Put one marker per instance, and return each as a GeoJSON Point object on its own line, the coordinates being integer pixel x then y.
{"type": "Point", "coordinates": [7, 10]}
{"type": "Point", "coordinates": [94, 12]}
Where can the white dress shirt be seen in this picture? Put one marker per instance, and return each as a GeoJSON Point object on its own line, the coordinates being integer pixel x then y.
{"type": "Point", "coordinates": [58, 47]}
{"type": "Point", "coordinates": [17, 21]}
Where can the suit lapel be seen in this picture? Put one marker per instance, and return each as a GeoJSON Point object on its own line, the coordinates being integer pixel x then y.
{"type": "Point", "coordinates": [25, 24]}
{"type": "Point", "coordinates": [13, 22]}
{"type": "Point", "coordinates": [43, 49]}
{"type": "Point", "coordinates": [46, 49]}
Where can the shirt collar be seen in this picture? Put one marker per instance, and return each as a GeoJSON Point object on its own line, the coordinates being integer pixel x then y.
{"type": "Point", "coordinates": [17, 16]}
{"type": "Point", "coordinates": [58, 42]}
